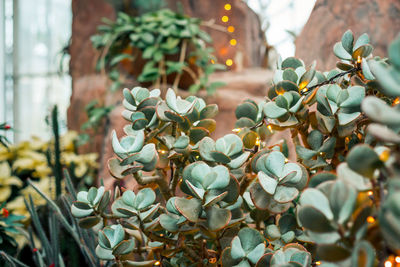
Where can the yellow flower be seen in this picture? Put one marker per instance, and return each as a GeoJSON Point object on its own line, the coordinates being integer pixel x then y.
{"type": "Point", "coordinates": [68, 141]}
{"type": "Point", "coordinates": [46, 185]}
{"type": "Point", "coordinates": [6, 181]}
{"type": "Point", "coordinates": [82, 163]}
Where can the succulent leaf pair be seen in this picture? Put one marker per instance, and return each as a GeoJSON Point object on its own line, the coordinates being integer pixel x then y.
{"type": "Point", "coordinates": [87, 201]}
{"type": "Point", "coordinates": [246, 249]}
{"type": "Point", "coordinates": [320, 150]}
{"type": "Point", "coordinates": [278, 182]}
{"type": "Point", "coordinates": [112, 243]}
{"type": "Point", "coordinates": [284, 107]}
{"type": "Point", "coordinates": [140, 105]}
{"type": "Point", "coordinates": [133, 155]}
{"type": "Point", "coordinates": [226, 150]}
{"type": "Point", "coordinates": [335, 102]}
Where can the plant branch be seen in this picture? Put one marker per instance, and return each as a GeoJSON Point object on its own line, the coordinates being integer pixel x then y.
{"type": "Point", "coordinates": [181, 60]}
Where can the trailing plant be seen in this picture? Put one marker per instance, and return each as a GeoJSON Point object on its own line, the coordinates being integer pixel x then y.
{"type": "Point", "coordinates": [168, 44]}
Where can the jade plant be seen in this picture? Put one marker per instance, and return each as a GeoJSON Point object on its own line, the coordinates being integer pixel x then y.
{"type": "Point", "coordinates": [168, 45]}
{"type": "Point", "coordinates": [328, 195]}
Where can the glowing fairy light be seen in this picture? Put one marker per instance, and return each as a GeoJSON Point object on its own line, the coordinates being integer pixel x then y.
{"type": "Point", "coordinates": [229, 62]}
{"type": "Point", "coordinates": [212, 61]}
{"type": "Point", "coordinates": [318, 263]}
{"type": "Point", "coordinates": [233, 42]}
{"type": "Point", "coordinates": [227, 7]}
{"type": "Point", "coordinates": [231, 29]}
{"type": "Point", "coordinates": [397, 259]}
{"type": "Point", "coordinates": [388, 264]}
{"type": "Point", "coordinates": [225, 18]}
{"type": "Point", "coordinates": [370, 193]}
{"type": "Point", "coordinates": [237, 130]}
{"type": "Point", "coordinates": [270, 128]}
{"type": "Point", "coordinates": [370, 219]}
{"type": "Point", "coordinates": [157, 263]}
{"type": "Point", "coordinates": [258, 141]}
{"type": "Point", "coordinates": [385, 155]}
{"type": "Point", "coordinates": [358, 59]}
{"type": "Point", "coordinates": [162, 151]}
{"type": "Point", "coordinates": [396, 101]}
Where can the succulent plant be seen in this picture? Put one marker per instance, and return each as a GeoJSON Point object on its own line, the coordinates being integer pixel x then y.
{"type": "Point", "coordinates": [319, 151]}
{"type": "Point", "coordinates": [278, 182]}
{"type": "Point", "coordinates": [284, 107]}
{"type": "Point", "coordinates": [246, 248]}
{"type": "Point", "coordinates": [226, 150]}
{"type": "Point", "coordinates": [388, 76]}
{"type": "Point", "coordinates": [131, 204]}
{"type": "Point", "coordinates": [133, 154]}
{"type": "Point", "coordinates": [335, 103]}
{"type": "Point", "coordinates": [284, 232]}
{"type": "Point", "coordinates": [290, 255]}
{"type": "Point", "coordinates": [389, 215]}
{"type": "Point", "coordinates": [112, 243]}
{"type": "Point", "coordinates": [87, 202]}
{"type": "Point", "coordinates": [238, 202]}
{"type": "Point", "coordinates": [349, 51]}
{"type": "Point", "coordinates": [140, 105]}
{"type": "Point", "coordinates": [173, 219]}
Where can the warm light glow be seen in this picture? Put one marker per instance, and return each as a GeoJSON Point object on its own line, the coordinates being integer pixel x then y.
{"type": "Point", "coordinates": [370, 219]}
{"type": "Point", "coordinates": [318, 263]}
{"type": "Point", "coordinates": [223, 51]}
{"type": "Point", "coordinates": [347, 140]}
{"type": "Point", "coordinates": [157, 263]}
{"type": "Point", "coordinates": [212, 61]}
{"type": "Point", "coordinates": [269, 128]}
{"type": "Point", "coordinates": [358, 59]}
{"type": "Point", "coordinates": [304, 90]}
{"type": "Point", "coordinates": [231, 29]}
{"type": "Point", "coordinates": [370, 193]}
{"type": "Point", "coordinates": [258, 141]}
{"type": "Point", "coordinates": [280, 91]}
{"type": "Point", "coordinates": [237, 130]}
{"type": "Point", "coordinates": [385, 155]}
{"type": "Point", "coordinates": [397, 259]}
{"type": "Point", "coordinates": [212, 260]}
{"type": "Point", "coordinates": [396, 101]}
{"type": "Point", "coordinates": [227, 7]}
{"type": "Point", "coordinates": [162, 151]}
{"type": "Point", "coordinates": [233, 42]}
{"type": "Point", "coordinates": [388, 264]}
{"type": "Point", "coordinates": [229, 62]}
{"type": "Point", "coordinates": [225, 19]}
{"type": "Point", "coordinates": [286, 160]}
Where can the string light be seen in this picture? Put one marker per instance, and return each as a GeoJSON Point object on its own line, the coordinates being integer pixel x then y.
{"type": "Point", "coordinates": [212, 61]}
{"type": "Point", "coordinates": [225, 18]}
{"type": "Point", "coordinates": [212, 260]}
{"type": "Point", "coordinates": [237, 130]}
{"type": "Point", "coordinates": [388, 264]}
{"type": "Point", "coordinates": [227, 7]}
{"type": "Point", "coordinates": [397, 259]}
{"type": "Point", "coordinates": [318, 263]}
{"type": "Point", "coordinates": [286, 160]}
{"type": "Point", "coordinates": [258, 141]}
{"type": "Point", "coordinates": [385, 155]}
{"type": "Point", "coordinates": [231, 29]}
{"type": "Point", "coordinates": [358, 59]}
{"type": "Point", "coordinates": [270, 128]}
{"type": "Point", "coordinates": [396, 101]}
{"type": "Point", "coordinates": [304, 90]}
{"type": "Point", "coordinates": [157, 263]}
{"type": "Point", "coordinates": [162, 151]}
{"type": "Point", "coordinates": [370, 219]}
{"type": "Point", "coordinates": [233, 42]}
{"type": "Point", "coordinates": [229, 62]}
{"type": "Point", "coordinates": [370, 193]}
